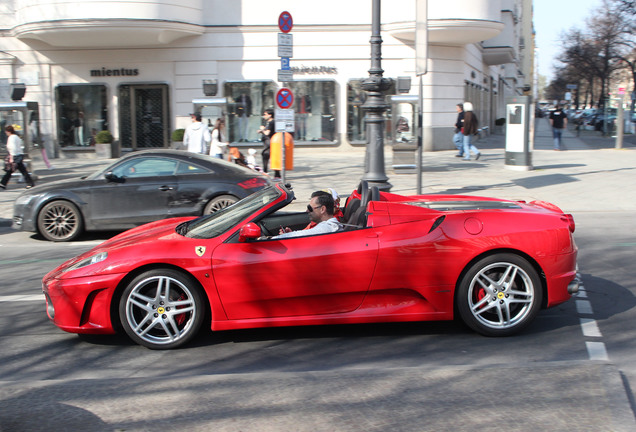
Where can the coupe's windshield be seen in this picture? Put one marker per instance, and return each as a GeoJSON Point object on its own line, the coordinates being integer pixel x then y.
{"type": "Point", "coordinates": [219, 222]}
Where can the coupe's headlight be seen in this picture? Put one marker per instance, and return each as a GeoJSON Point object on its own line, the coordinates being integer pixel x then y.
{"type": "Point", "coordinates": [93, 259]}
{"type": "Point", "coordinates": [24, 199]}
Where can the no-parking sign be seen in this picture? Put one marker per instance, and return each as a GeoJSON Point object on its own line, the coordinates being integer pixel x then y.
{"type": "Point", "coordinates": [284, 98]}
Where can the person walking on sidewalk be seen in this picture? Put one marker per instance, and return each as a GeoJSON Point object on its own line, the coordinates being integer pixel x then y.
{"type": "Point", "coordinates": [15, 159]}
{"type": "Point", "coordinates": [197, 136]}
{"type": "Point", "coordinates": [458, 138]}
{"type": "Point", "coordinates": [471, 127]}
{"type": "Point", "coordinates": [558, 121]}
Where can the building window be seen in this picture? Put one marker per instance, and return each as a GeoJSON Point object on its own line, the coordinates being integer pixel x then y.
{"type": "Point", "coordinates": [356, 128]}
{"type": "Point", "coordinates": [81, 113]}
{"type": "Point", "coordinates": [246, 102]}
{"type": "Point", "coordinates": [314, 110]}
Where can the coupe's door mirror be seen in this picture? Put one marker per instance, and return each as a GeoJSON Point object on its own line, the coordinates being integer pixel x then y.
{"type": "Point", "coordinates": [110, 177]}
{"type": "Point", "coordinates": [249, 231]}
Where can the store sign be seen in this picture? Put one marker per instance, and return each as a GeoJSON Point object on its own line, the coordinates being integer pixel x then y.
{"type": "Point", "coordinates": [104, 72]}
{"type": "Point", "coordinates": [315, 70]}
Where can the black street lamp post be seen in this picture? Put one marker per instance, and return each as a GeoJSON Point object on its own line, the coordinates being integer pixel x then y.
{"type": "Point", "coordinates": [375, 107]}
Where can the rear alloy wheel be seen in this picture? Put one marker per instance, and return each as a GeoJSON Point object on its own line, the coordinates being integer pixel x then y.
{"type": "Point", "coordinates": [499, 295]}
{"type": "Point", "coordinates": [219, 203]}
{"type": "Point", "coordinates": [162, 309]}
{"type": "Point", "coordinates": [60, 221]}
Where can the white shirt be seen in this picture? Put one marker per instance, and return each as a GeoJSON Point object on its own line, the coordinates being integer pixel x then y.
{"type": "Point", "coordinates": [196, 138]}
{"type": "Point", "coordinates": [328, 226]}
{"type": "Point", "coordinates": [14, 145]}
{"type": "Point", "coordinates": [217, 145]}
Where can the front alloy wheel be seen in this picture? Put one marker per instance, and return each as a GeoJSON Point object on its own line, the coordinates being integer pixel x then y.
{"type": "Point", "coordinates": [162, 309]}
{"type": "Point", "coordinates": [499, 295]}
{"type": "Point", "coordinates": [60, 221]}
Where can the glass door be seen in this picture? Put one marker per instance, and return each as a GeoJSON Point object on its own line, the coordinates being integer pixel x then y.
{"type": "Point", "coordinates": [144, 116]}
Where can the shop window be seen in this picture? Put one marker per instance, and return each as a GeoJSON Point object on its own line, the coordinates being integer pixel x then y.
{"type": "Point", "coordinates": [314, 110]}
{"type": "Point", "coordinates": [81, 113]}
{"type": "Point", "coordinates": [356, 127]}
{"type": "Point", "coordinates": [246, 102]}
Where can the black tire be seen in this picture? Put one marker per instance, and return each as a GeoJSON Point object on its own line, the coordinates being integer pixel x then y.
{"type": "Point", "coordinates": [499, 295]}
{"type": "Point", "coordinates": [219, 203]}
{"type": "Point", "coordinates": [162, 309]}
{"type": "Point", "coordinates": [60, 221]}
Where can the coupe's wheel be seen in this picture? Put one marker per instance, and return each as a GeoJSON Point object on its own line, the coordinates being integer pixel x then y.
{"type": "Point", "coordinates": [499, 295]}
{"type": "Point", "coordinates": [60, 221]}
{"type": "Point", "coordinates": [162, 309]}
{"type": "Point", "coordinates": [219, 203]}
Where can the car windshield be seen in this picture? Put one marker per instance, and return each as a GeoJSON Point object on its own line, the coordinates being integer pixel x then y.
{"type": "Point", "coordinates": [219, 222]}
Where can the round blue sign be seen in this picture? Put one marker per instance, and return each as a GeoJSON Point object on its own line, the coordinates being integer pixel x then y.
{"type": "Point", "coordinates": [285, 22]}
{"type": "Point", "coordinates": [284, 98]}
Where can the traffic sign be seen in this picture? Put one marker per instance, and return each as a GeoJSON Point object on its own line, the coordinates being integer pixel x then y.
{"type": "Point", "coordinates": [284, 63]}
{"type": "Point", "coordinates": [284, 98]}
{"type": "Point", "coordinates": [285, 45]}
{"type": "Point", "coordinates": [285, 75]}
{"type": "Point", "coordinates": [285, 22]}
{"type": "Point", "coordinates": [284, 120]}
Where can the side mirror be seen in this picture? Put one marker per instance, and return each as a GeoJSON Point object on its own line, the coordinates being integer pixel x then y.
{"type": "Point", "coordinates": [110, 177]}
{"type": "Point", "coordinates": [249, 231]}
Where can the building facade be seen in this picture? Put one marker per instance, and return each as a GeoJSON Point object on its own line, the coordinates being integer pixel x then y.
{"type": "Point", "coordinates": [138, 69]}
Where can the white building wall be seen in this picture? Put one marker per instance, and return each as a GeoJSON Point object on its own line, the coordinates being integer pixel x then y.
{"type": "Point", "coordinates": [238, 41]}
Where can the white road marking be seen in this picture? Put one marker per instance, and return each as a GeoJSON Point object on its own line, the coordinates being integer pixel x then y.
{"type": "Point", "coordinates": [590, 328]}
{"type": "Point", "coordinates": [597, 351]}
{"type": "Point", "coordinates": [584, 307]}
{"type": "Point", "coordinates": [22, 298]}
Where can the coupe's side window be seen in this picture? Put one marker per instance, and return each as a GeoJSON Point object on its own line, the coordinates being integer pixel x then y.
{"type": "Point", "coordinates": [188, 168]}
{"type": "Point", "coordinates": [147, 167]}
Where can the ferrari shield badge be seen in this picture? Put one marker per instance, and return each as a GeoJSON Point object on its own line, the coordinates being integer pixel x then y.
{"type": "Point", "coordinates": [199, 250]}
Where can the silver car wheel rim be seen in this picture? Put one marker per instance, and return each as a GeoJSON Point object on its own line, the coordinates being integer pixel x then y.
{"type": "Point", "coordinates": [501, 295]}
{"type": "Point", "coordinates": [60, 221]}
{"type": "Point", "coordinates": [221, 204]}
{"type": "Point", "coordinates": [160, 310]}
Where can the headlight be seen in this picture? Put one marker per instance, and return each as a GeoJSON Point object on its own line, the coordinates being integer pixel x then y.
{"type": "Point", "coordinates": [94, 259]}
{"type": "Point", "coordinates": [24, 199]}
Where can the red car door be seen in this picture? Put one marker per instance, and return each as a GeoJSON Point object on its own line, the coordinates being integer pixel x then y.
{"type": "Point", "coordinates": [323, 274]}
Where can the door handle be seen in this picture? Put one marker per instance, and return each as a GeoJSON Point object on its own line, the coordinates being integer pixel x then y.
{"type": "Point", "coordinates": [165, 188]}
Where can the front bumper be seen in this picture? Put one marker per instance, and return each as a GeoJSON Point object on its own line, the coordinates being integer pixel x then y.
{"type": "Point", "coordinates": [81, 305]}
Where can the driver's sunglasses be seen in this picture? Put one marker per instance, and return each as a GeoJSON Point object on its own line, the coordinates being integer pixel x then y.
{"type": "Point", "coordinates": [310, 208]}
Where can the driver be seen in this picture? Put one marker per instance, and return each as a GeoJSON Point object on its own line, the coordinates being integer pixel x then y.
{"type": "Point", "coordinates": [320, 209]}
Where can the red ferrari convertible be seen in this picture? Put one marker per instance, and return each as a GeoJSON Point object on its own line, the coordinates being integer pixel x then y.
{"type": "Point", "coordinates": [495, 263]}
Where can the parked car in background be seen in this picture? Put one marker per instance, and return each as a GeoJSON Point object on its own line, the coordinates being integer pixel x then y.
{"type": "Point", "coordinates": [138, 188]}
{"type": "Point", "coordinates": [493, 263]}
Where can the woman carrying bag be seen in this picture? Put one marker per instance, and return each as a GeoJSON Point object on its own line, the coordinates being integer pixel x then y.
{"type": "Point", "coordinates": [15, 159]}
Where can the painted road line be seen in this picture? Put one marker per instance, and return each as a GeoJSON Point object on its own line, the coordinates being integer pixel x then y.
{"type": "Point", "coordinates": [584, 307]}
{"type": "Point", "coordinates": [22, 298]}
{"type": "Point", "coordinates": [590, 328]}
{"type": "Point", "coordinates": [597, 351]}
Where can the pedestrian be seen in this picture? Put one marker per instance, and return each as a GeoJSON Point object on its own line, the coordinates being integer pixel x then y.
{"type": "Point", "coordinates": [558, 121]}
{"type": "Point", "coordinates": [218, 143]}
{"type": "Point", "coordinates": [471, 127]}
{"type": "Point", "coordinates": [267, 132]}
{"type": "Point", "coordinates": [197, 136]}
{"type": "Point", "coordinates": [458, 138]}
{"type": "Point", "coordinates": [15, 159]}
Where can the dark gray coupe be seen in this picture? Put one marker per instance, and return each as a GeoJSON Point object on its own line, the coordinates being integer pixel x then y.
{"type": "Point", "coordinates": [140, 187]}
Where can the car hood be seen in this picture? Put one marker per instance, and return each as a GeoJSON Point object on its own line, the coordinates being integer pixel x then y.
{"type": "Point", "coordinates": [65, 184]}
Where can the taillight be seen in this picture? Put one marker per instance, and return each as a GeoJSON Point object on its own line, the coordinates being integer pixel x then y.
{"type": "Point", "coordinates": [256, 182]}
{"type": "Point", "coordinates": [570, 221]}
